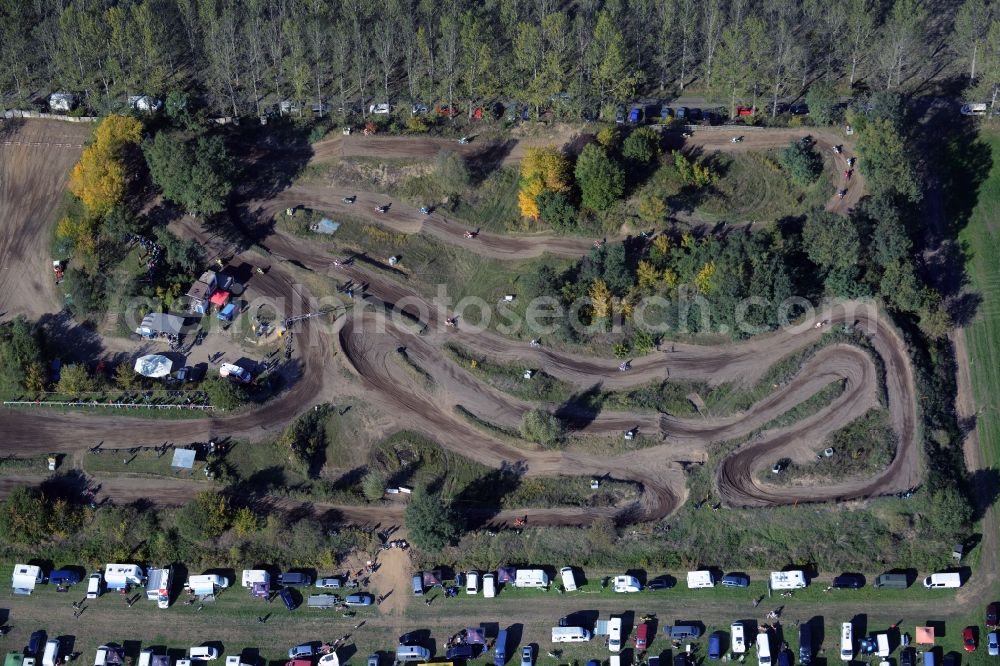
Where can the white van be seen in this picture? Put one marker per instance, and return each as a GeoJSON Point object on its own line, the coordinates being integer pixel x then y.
{"type": "Point", "coordinates": [763, 649]}
{"type": "Point", "coordinates": [531, 578]}
{"type": "Point", "coordinates": [739, 643]}
{"type": "Point", "coordinates": [489, 586]}
{"type": "Point", "coordinates": [51, 654]}
{"type": "Point", "coordinates": [846, 642]}
{"type": "Point", "coordinates": [570, 635]}
{"type": "Point", "coordinates": [146, 657]}
{"type": "Point", "coordinates": [568, 579]}
{"type": "Point", "coordinates": [700, 579]}
{"type": "Point", "coordinates": [943, 580]}
{"type": "Point", "coordinates": [974, 109]}
{"type": "Point", "coordinates": [615, 634]}
{"type": "Point", "coordinates": [203, 653]}
{"type": "Point", "coordinates": [472, 582]}
{"type": "Point", "coordinates": [94, 585]}
{"type": "Point", "coordinates": [787, 580]}
{"type": "Point", "coordinates": [412, 653]}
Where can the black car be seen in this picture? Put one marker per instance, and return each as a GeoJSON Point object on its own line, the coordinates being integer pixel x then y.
{"type": "Point", "coordinates": [410, 638]}
{"type": "Point", "coordinates": [848, 581]}
{"type": "Point", "coordinates": [35, 643]}
{"type": "Point", "coordinates": [907, 657]}
{"type": "Point", "coordinates": [799, 109]}
{"type": "Point", "coordinates": [695, 114]}
{"type": "Point", "coordinates": [736, 580]}
{"type": "Point", "coordinates": [805, 644]}
{"type": "Point", "coordinates": [661, 583]}
{"type": "Point", "coordinates": [950, 659]}
{"type": "Point", "coordinates": [991, 615]}
{"type": "Point", "coordinates": [681, 659]}
{"type": "Point", "coordinates": [288, 598]}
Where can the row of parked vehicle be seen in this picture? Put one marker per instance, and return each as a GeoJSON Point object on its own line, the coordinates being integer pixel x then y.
{"type": "Point", "coordinates": [638, 114]}
{"type": "Point", "coordinates": [488, 582]}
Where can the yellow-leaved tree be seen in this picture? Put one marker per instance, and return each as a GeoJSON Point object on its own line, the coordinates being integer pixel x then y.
{"type": "Point", "coordinates": [98, 179]}
{"type": "Point", "coordinates": [703, 280]}
{"type": "Point", "coordinates": [649, 277]}
{"type": "Point", "coordinates": [542, 169]}
{"type": "Point", "coordinates": [600, 299]}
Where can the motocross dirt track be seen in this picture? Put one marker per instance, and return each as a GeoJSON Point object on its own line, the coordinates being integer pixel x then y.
{"type": "Point", "coordinates": [35, 160]}
{"type": "Point", "coordinates": [368, 344]}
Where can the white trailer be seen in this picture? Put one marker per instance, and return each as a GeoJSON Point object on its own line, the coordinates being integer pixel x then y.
{"type": "Point", "coordinates": [531, 578]}
{"type": "Point", "coordinates": [739, 642]}
{"type": "Point", "coordinates": [700, 579]}
{"type": "Point", "coordinates": [206, 584]}
{"type": "Point", "coordinates": [158, 586]}
{"type": "Point", "coordinates": [25, 577]}
{"type": "Point", "coordinates": [120, 576]}
{"type": "Point", "coordinates": [787, 580]}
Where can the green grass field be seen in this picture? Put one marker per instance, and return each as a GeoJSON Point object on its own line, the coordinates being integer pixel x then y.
{"type": "Point", "coordinates": [981, 239]}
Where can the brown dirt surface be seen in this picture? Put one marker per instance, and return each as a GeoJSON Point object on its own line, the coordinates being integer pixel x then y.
{"type": "Point", "coordinates": [392, 578]}
{"type": "Point", "coordinates": [36, 157]}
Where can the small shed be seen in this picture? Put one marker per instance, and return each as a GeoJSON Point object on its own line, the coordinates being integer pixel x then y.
{"type": "Point", "coordinates": [62, 101]}
{"type": "Point", "coordinates": [325, 226]}
{"type": "Point", "coordinates": [183, 459]}
{"type": "Point", "coordinates": [25, 577]}
{"type": "Point", "coordinates": [160, 323]}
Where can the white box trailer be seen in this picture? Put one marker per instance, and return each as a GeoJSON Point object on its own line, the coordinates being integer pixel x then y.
{"type": "Point", "coordinates": [25, 577]}
{"type": "Point", "coordinates": [882, 640]}
{"type": "Point", "coordinates": [787, 580]}
{"type": "Point", "coordinates": [700, 579]}
{"type": "Point", "coordinates": [206, 584]}
{"type": "Point", "coordinates": [531, 578]}
{"type": "Point", "coordinates": [570, 635]}
{"type": "Point", "coordinates": [158, 584]}
{"type": "Point", "coordinates": [120, 576]}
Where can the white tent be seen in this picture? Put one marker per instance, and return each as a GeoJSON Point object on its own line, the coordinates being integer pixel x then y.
{"type": "Point", "coordinates": [153, 365]}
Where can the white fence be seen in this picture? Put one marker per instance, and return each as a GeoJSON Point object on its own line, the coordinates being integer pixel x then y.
{"type": "Point", "coordinates": [95, 403]}
{"type": "Point", "coordinates": [17, 113]}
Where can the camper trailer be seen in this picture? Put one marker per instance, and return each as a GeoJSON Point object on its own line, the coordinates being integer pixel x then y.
{"type": "Point", "coordinates": [121, 576]}
{"type": "Point", "coordinates": [206, 585]}
{"type": "Point", "coordinates": [25, 577]}
{"type": "Point", "coordinates": [700, 579]}
{"type": "Point", "coordinates": [258, 582]}
{"type": "Point", "coordinates": [531, 578]}
{"type": "Point", "coordinates": [158, 586]}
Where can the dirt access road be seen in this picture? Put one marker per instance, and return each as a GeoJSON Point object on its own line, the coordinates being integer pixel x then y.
{"type": "Point", "coordinates": [35, 160]}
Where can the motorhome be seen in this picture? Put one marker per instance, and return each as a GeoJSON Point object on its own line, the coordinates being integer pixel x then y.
{"type": "Point", "coordinates": [121, 576]}
{"type": "Point", "coordinates": [158, 586]}
{"type": "Point", "coordinates": [787, 580]}
{"type": "Point", "coordinates": [846, 642]}
{"type": "Point", "coordinates": [739, 642]}
{"type": "Point", "coordinates": [531, 578]}
{"type": "Point", "coordinates": [700, 579]}
{"type": "Point", "coordinates": [570, 635]}
{"type": "Point", "coordinates": [764, 649]}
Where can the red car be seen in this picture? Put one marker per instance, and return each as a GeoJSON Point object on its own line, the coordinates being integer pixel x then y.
{"type": "Point", "coordinates": [744, 111]}
{"type": "Point", "coordinates": [969, 639]}
{"type": "Point", "coordinates": [991, 615]}
{"type": "Point", "coordinates": [642, 636]}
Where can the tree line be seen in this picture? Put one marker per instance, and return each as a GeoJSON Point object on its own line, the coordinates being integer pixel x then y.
{"type": "Point", "coordinates": [245, 56]}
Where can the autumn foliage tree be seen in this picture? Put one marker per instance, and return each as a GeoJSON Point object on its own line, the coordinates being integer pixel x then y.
{"type": "Point", "coordinates": [98, 179]}
{"type": "Point", "coordinates": [542, 170]}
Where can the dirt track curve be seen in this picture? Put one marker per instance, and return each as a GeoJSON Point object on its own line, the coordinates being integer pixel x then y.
{"type": "Point", "coordinates": [368, 345]}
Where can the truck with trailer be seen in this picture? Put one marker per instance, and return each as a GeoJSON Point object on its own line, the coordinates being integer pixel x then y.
{"type": "Point", "coordinates": [158, 584]}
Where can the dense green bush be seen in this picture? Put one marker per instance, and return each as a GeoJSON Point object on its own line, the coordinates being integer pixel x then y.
{"type": "Point", "coordinates": [802, 162]}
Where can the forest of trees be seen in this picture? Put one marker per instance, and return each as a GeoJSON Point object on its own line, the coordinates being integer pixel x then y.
{"type": "Point", "coordinates": [244, 56]}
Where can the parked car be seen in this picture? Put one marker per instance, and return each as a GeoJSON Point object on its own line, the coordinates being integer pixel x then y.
{"type": "Point", "coordinates": [288, 598]}
{"type": "Point", "coordinates": [848, 581]}
{"type": "Point", "coordinates": [300, 651]}
{"type": "Point", "coordinates": [992, 647]}
{"type": "Point", "coordinates": [715, 645]}
{"type": "Point", "coordinates": [694, 114]}
{"type": "Point", "coordinates": [736, 580]}
{"type": "Point", "coordinates": [373, 659]}
{"type": "Point", "coordinates": [418, 109]}
{"type": "Point", "coordinates": [661, 583]}
{"type": "Point", "coordinates": [410, 638]}
{"type": "Point", "coordinates": [682, 631]}
{"type": "Point", "coordinates": [35, 643]}
{"type": "Point", "coordinates": [642, 636]}
{"type": "Point", "coordinates": [359, 600]}
{"type": "Point", "coordinates": [620, 114]}
{"type": "Point", "coordinates": [331, 583]}
{"type": "Point", "coordinates": [459, 652]}
{"type": "Point", "coordinates": [969, 639]}
{"type": "Point", "coordinates": [799, 109]}
{"type": "Point", "coordinates": [294, 579]}
{"type": "Point", "coordinates": [907, 657]}
{"type": "Point", "coordinates": [950, 659]}
{"type": "Point", "coordinates": [991, 615]}
{"type": "Point", "coordinates": [379, 109]}
{"type": "Point", "coordinates": [527, 655]}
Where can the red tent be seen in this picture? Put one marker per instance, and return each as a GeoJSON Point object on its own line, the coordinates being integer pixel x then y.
{"type": "Point", "coordinates": [219, 298]}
